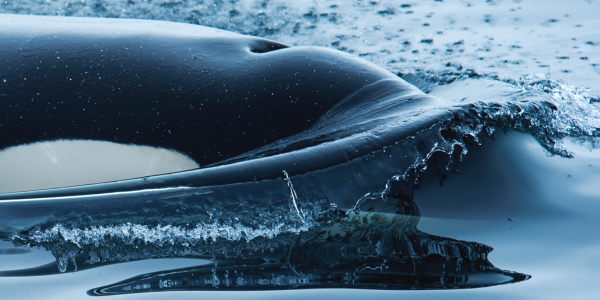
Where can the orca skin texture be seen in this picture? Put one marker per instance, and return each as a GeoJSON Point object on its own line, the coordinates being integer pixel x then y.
{"type": "Point", "coordinates": [246, 109]}
{"type": "Point", "coordinates": [209, 94]}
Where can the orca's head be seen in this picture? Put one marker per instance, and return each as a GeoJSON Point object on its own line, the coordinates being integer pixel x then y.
{"type": "Point", "coordinates": [88, 101]}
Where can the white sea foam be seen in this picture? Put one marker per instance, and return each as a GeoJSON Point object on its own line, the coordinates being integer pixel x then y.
{"type": "Point", "coordinates": [160, 235]}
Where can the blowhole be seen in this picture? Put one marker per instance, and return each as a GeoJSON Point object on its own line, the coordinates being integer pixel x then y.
{"type": "Point", "coordinates": [264, 46]}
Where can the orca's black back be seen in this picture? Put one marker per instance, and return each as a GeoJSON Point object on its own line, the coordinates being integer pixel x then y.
{"type": "Point", "coordinates": [211, 98]}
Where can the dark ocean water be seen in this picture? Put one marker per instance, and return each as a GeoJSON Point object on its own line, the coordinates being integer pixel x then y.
{"type": "Point", "coordinates": [490, 191]}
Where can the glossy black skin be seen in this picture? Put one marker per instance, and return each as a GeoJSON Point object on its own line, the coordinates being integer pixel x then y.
{"type": "Point", "coordinates": [209, 97]}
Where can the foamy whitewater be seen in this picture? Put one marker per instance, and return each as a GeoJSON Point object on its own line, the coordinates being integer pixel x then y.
{"type": "Point", "coordinates": [507, 161]}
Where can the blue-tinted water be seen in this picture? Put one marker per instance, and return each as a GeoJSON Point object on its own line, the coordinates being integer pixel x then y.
{"type": "Point", "coordinates": [508, 185]}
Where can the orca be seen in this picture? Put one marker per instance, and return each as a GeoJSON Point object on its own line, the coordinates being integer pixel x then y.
{"type": "Point", "coordinates": [226, 107]}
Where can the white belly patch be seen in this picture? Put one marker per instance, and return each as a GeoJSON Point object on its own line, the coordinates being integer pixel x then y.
{"type": "Point", "coordinates": [63, 163]}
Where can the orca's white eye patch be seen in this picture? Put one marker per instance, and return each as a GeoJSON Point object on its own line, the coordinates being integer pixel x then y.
{"type": "Point", "coordinates": [65, 163]}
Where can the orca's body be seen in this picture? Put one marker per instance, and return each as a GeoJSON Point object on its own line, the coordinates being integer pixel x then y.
{"type": "Point", "coordinates": [123, 113]}
{"type": "Point", "coordinates": [206, 93]}
{"type": "Point", "coordinates": [131, 139]}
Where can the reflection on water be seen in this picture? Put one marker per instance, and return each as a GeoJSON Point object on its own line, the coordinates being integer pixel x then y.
{"type": "Point", "coordinates": [369, 250]}
{"type": "Point", "coordinates": [366, 250]}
